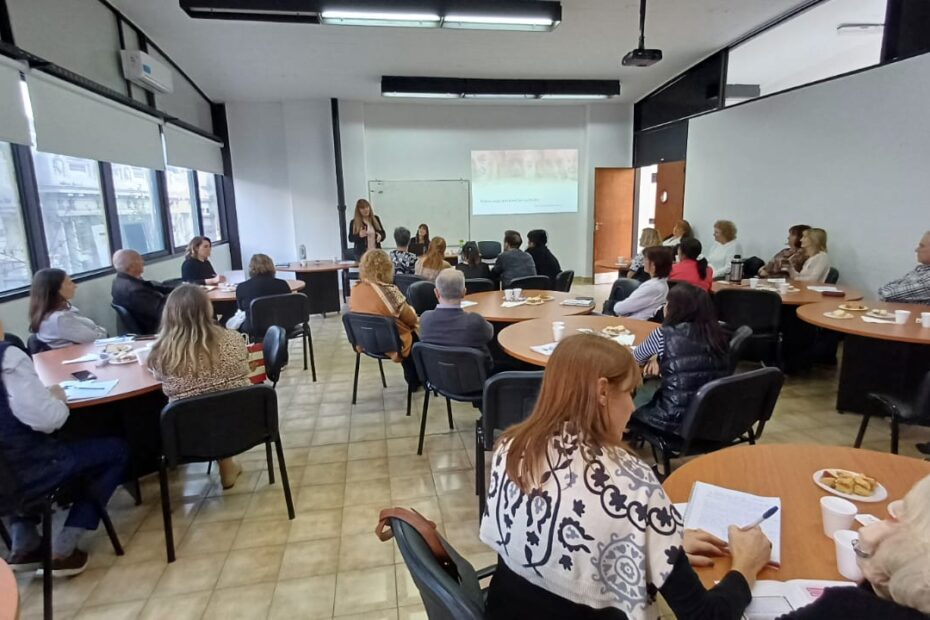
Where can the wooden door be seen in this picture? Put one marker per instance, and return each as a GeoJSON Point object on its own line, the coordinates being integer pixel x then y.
{"type": "Point", "coordinates": [614, 190]}
{"type": "Point", "coordinates": [670, 186]}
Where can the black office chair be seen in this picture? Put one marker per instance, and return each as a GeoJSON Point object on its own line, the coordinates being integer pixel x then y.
{"type": "Point", "coordinates": [446, 595]}
{"type": "Point", "coordinates": [509, 398]}
{"type": "Point", "coordinates": [738, 343]}
{"type": "Point", "coordinates": [34, 345]}
{"type": "Point", "coordinates": [724, 412]}
{"type": "Point", "coordinates": [489, 249]}
{"type": "Point", "coordinates": [833, 276]}
{"type": "Point", "coordinates": [173, 283]}
{"type": "Point", "coordinates": [13, 500]}
{"type": "Point", "coordinates": [17, 342]}
{"type": "Point", "coordinates": [404, 280]}
{"type": "Point", "coordinates": [621, 289]}
{"type": "Point", "coordinates": [563, 281]}
{"type": "Point", "coordinates": [375, 336]}
{"type": "Point", "coordinates": [761, 311]}
{"type": "Point", "coordinates": [422, 296]}
{"type": "Point", "coordinates": [127, 322]}
{"type": "Point", "coordinates": [216, 426]}
{"type": "Point", "coordinates": [751, 266]}
{"type": "Point", "coordinates": [915, 412]}
{"type": "Point", "coordinates": [479, 285]}
{"type": "Point", "coordinates": [274, 350]}
{"type": "Point", "coordinates": [531, 283]}
{"type": "Point", "coordinates": [457, 373]}
{"type": "Point", "coordinates": [290, 311]}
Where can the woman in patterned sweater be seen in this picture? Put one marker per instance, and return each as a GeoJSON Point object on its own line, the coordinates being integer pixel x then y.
{"type": "Point", "coordinates": [582, 527]}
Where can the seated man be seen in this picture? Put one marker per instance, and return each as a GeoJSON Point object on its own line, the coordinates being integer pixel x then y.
{"type": "Point", "coordinates": [914, 287]}
{"type": "Point", "coordinates": [404, 260]}
{"type": "Point", "coordinates": [29, 413]}
{"type": "Point", "coordinates": [513, 262]}
{"type": "Point", "coordinates": [448, 324]}
{"type": "Point", "coordinates": [143, 299]}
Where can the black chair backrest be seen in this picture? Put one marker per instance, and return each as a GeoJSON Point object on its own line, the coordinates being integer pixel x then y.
{"type": "Point", "coordinates": [274, 350]}
{"type": "Point", "coordinates": [479, 285]}
{"type": "Point", "coordinates": [640, 275]}
{"type": "Point", "coordinates": [17, 342]}
{"type": "Point", "coordinates": [34, 345]}
{"type": "Point", "coordinates": [723, 410]}
{"type": "Point", "coordinates": [531, 283]}
{"type": "Point", "coordinates": [376, 335]}
{"type": "Point", "coordinates": [563, 281]}
{"type": "Point", "coordinates": [404, 280]}
{"type": "Point", "coordinates": [760, 310]}
{"type": "Point", "coordinates": [621, 289]}
{"type": "Point", "coordinates": [509, 398]}
{"type": "Point", "coordinates": [489, 249]}
{"type": "Point", "coordinates": [127, 322]}
{"type": "Point", "coordinates": [287, 310]}
{"type": "Point", "coordinates": [751, 266]}
{"type": "Point", "coordinates": [422, 296]}
{"type": "Point", "coordinates": [173, 282]}
{"type": "Point", "coordinates": [922, 402]}
{"type": "Point", "coordinates": [833, 276]}
{"type": "Point", "coordinates": [10, 488]}
{"type": "Point", "coordinates": [218, 425]}
{"type": "Point", "coordinates": [458, 373]}
{"type": "Point", "coordinates": [443, 597]}
{"type": "Point", "coordinates": [738, 345]}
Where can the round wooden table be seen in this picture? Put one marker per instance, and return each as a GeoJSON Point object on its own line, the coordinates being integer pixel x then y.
{"type": "Point", "coordinates": [517, 339]}
{"type": "Point", "coordinates": [218, 295]}
{"type": "Point", "coordinates": [322, 280]}
{"type": "Point", "coordinates": [877, 357]}
{"type": "Point", "coordinates": [489, 306]}
{"type": "Point", "coordinates": [133, 378]}
{"type": "Point", "coordinates": [9, 594]}
{"type": "Point", "coordinates": [802, 297]}
{"type": "Point", "coordinates": [786, 471]}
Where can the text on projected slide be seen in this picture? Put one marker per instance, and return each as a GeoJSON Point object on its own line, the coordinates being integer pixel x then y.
{"type": "Point", "coordinates": [524, 181]}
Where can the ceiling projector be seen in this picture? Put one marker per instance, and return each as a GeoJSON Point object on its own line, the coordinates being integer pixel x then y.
{"type": "Point", "coordinates": [642, 57]}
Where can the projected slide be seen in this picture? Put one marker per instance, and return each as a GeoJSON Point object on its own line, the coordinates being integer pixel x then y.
{"type": "Point", "coordinates": [524, 181]}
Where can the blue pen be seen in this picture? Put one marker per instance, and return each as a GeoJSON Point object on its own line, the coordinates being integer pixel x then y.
{"type": "Point", "coordinates": [765, 515]}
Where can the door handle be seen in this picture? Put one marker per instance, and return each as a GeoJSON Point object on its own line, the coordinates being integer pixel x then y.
{"type": "Point", "coordinates": [597, 226]}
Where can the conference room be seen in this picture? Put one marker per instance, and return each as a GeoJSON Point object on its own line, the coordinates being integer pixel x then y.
{"type": "Point", "coordinates": [464, 309]}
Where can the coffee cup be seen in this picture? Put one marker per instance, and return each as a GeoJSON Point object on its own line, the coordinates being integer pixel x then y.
{"type": "Point", "coordinates": [846, 554]}
{"type": "Point", "coordinates": [783, 287]}
{"type": "Point", "coordinates": [925, 319]}
{"type": "Point", "coordinates": [558, 330]}
{"type": "Point", "coordinates": [901, 316]}
{"type": "Point", "coordinates": [838, 514]}
{"type": "Point", "coordinates": [508, 294]}
{"type": "Point", "coordinates": [753, 282]}
{"type": "Point", "coordinates": [142, 355]}
{"type": "Point", "coordinates": [517, 294]}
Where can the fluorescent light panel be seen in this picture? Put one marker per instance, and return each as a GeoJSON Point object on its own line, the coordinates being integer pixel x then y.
{"type": "Point", "coordinates": [380, 18]}
{"type": "Point", "coordinates": [492, 22]}
{"type": "Point", "coordinates": [450, 88]}
{"type": "Point", "coordinates": [423, 95]}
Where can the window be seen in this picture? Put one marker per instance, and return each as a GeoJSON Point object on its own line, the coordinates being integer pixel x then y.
{"type": "Point", "coordinates": [72, 212]}
{"type": "Point", "coordinates": [14, 254]}
{"type": "Point", "coordinates": [184, 224]}
{"type": "Point", "coordinates": [136, 205]}
{"type": "Point", "coordinates": [209, 207]}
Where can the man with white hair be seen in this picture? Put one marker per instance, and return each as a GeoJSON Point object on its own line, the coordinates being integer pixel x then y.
{"type": "Point", "coordinates": [448, 324]}
{"type": "Point", "coordinates": [143, 299]}
{"type": "Point", "coordinates": [914, 287]}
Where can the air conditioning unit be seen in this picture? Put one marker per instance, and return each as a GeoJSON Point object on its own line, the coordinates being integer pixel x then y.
{"type": "Point", "coordinates": [140, 68]}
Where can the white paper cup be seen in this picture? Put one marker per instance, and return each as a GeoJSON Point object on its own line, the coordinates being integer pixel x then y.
{"type": "Point", "coordinates": [896, 509]}
{"type": "Point", "coordinates": [925, 319]}
{"type": "Point", "coordinates": [508, 294]}
{"type": "Point", "coordinates": [558, 330]}
{"type": "Point", "coordinates": [901, 316]}
{"type": "Point", "coordinates": [838, 514]}
{"type": "Point", "coordinates": [753, 282]}
{"type": "Point", "coordinates": [846, 555]}
{"type": "Point", "coordinates": [783, 287]}
{"type": "Point", "coordinates": [143, 355]}
{"type": "Point", "coordinates": [517, 294]}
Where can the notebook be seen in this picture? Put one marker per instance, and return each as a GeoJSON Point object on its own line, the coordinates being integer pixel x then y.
{"type": "Point", "coordinates": [714, 509]}
{"type": "Point", "coordinates": [82, 390]}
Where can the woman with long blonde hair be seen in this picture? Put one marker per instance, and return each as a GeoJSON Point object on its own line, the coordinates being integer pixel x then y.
{"type": "Point", "coordinates": [581, 526]}
{"type": "Point", "coordinates": [649, 237]}
{"type": "Point", "coordinates": [430, 264]}
{"type": "Point", "coordinates": [192, 355]}
{"type": "Point", "coordinates": [817, 265]}
{"type": "Point", "coordinates": [365, 229]}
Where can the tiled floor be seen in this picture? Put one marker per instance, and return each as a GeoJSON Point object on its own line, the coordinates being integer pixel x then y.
{"type": "Point", "coordinates": [240, 557]}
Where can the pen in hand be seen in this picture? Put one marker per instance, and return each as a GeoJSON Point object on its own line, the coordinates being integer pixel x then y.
{"type": "Point", "coordinates": [765, 515]}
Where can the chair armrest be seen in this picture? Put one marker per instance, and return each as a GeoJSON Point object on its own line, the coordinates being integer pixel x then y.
{"type": "Point", "coordinates": [487, 571]}
{"type": "Point", "coordinates": [884, 404]}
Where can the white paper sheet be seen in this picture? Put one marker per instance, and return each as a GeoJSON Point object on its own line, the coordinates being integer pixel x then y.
{"type": "Point", "coordinates": [81, 390]}
{"type": "Point", "coordinates": [869, 319]}
{"type": "Point", "coordinates": [512, 304]}
{"type": "Point", "coordinates": [772, 599]}
{"type": "Point", "coordinates": [90, 357]}
{"type": "Point", "coordinates": [822, 289]}
{"type": "Point", "coordinates": [577, 302]}
{"type": "Point", "coordinates": [466, 303]}
{"type": "Point", "coordinates": [545, 349]}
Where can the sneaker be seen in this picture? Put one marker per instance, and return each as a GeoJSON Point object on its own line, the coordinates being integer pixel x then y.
{"type": "Point", "coordinates": [25, 561]}
{"type": "Point", "coordinates": [72, 565]}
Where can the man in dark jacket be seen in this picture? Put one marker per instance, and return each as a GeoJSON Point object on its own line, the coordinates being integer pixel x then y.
{"type": "Point", "coordinates": [546, 262]}
{"type": "Point", "coordinates": [448, 324]}
{"type": "Point", "coordinates": [513, 262]}
{"type": "Point", "coordinates": [143, 299]}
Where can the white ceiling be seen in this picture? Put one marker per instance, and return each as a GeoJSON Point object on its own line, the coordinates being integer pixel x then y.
{"type": "Point", "coordinates": [251, 61]}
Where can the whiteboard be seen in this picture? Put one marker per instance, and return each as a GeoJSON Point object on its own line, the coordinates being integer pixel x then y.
{"type": "Point", "coordinates": [441, 205]}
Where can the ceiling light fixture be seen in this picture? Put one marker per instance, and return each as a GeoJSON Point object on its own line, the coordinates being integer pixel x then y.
{"type": "Point", "coordinates": [300, 11]}
{"type": "Point", "coordinates": [380, 18]}
{"type": "Point", "coordinates": [642, 57]}
{"type": "Point", "coordinates": [860, 28]}
{"type": "Point", "coordinates": [452, 88]}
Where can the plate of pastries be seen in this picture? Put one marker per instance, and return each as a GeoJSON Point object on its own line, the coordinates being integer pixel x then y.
{"type": "Point", "coordinates": [851, 485]}
{"type": "Point", "coordinates": [538, 300]}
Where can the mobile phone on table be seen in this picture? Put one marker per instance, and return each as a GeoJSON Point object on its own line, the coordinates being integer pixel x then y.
{"type": "Point", "coordinates": [84, 375]}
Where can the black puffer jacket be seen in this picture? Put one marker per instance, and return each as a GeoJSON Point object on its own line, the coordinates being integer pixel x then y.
{"type": "Point", "coordinates": [687, 365]}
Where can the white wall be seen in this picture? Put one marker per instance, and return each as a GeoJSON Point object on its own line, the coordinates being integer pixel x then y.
{"type": "Point", "coordinates": [849, 156]}
{"type": "Point", "coordinates": [93, 296]}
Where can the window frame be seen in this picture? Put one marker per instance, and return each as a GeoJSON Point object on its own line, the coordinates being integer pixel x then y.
{"type": "Point", "coordinates": [220, 203]}
{"type": "Point", "coordinates": [159, 204]}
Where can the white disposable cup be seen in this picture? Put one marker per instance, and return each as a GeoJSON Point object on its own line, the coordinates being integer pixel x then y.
{"type": "Point", "coordinates": [143, 355]}
{"type": "Point", "coordinates": [558, 330]}
{"type": "Point", "coordinates": [508, 294]}
{"type": "Point", "coordinates": [753, 282]}
{"type": "Point", "coordinates": [517, 294]}
{"type": "Point", "coordinates": [838, 514]}
{"type": "Point", "coordinates": [896, 509]}
{"type": "Point", "coordinates": [782, 287]}
{"type": "Point", "coordinates": [925, 319]}
{"type": "Point", "coordinates": [901, 316]}
{"type": "Point", "coordinates": [846, 555]}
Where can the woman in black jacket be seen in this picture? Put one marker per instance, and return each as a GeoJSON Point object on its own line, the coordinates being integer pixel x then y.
{"type": "Point", "coordinates": [546, 262]}
{"type": "Point", "coordinates": [688, 351]}
{"type": "Point", "coordinates": [196, 267]}
{"type": "Point", "coordinates": [365, 229]}
{"type": "Point", "coordinates": [261, 283]}
{"type": "Point", "coordinates": [470, 263]}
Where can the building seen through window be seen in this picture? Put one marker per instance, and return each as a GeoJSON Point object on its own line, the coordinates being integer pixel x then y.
{"type": "Point", "coordinates": [136, 200]}
{"type": "Point", "coordinates": [184, 224]}
{"type": "Point", "coordinates": [15, 270]}
{"type": "Point", "coordinates": [209, 208]}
